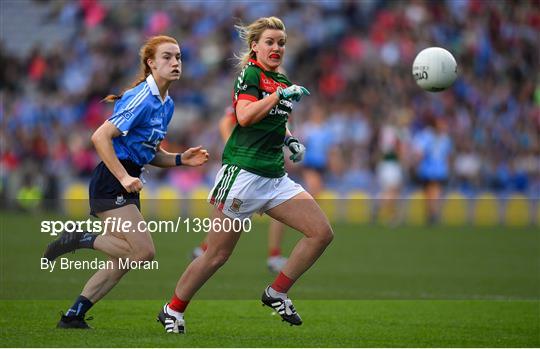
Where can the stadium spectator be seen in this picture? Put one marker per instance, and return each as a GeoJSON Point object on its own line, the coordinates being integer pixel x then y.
{"type": "Point", "coordinates": [318, 138]}
{"type": "Point", "coordinates": [432, 148]}
{"type": "Point", "coordinates": [394, 142]}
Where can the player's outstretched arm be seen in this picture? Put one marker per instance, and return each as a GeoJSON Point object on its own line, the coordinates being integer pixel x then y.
{"type": "Point", "coordinates": [102, 139]}
{"type": "Point", "coordinates": [191, 157]}
{"type": "Point", "coordinates": [195, 156]}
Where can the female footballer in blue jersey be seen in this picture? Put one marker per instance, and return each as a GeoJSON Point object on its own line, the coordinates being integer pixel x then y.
{"type": "Point", "coordinates": [126, 142]}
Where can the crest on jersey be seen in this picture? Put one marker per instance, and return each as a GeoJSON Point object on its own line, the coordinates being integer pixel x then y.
{"type": "Point", "coordinates": [235, 206]}
{"type": "Point", "coordinates": [269, 85]}
{"type": "Point", "coordinates": [120, 200]}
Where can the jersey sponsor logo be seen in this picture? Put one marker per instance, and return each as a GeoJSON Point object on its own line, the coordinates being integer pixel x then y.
{"type": "Point", "coordinates": [154, 139]}
{"type": "Point", "coordinates": [283, 108]}
{"type": "Point", "coordinates": [278, 111]}
{"type": "Point", "coordinates": [286, 103]}
{"type": "Point", "coordinates": [235, 205]}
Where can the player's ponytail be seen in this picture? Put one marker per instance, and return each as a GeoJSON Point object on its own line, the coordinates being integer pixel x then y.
{"type": "Point", "coordinates": [252, 33]}
{"type": "Point", "coordinates": [147, 51]}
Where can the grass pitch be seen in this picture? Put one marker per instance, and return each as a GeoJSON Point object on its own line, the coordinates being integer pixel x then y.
{"type": "Point", "coordinates": [375, 286]}
{"type": "Point", "coordinates": [328, 323]}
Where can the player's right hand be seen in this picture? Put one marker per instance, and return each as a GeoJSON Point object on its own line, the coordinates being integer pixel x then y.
{"type": "Point", "coordinates": [294, 92]}
{"type": "Point", "coordinates": [132, 184]}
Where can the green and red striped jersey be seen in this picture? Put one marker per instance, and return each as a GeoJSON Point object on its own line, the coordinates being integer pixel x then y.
{"type": "Point", "coordinates": [258, 148]}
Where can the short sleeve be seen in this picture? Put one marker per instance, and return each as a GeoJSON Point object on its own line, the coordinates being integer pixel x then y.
{"type": "Point", "coordinates": [247, 86]}
{"type": "Point", "coordinates": [129, 111]}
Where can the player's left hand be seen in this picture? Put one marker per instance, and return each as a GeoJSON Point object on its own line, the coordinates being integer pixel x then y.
{"type": "Point", "coordinates": [195, 156]}
{"type": "Point", "coordinates": [297, 149]}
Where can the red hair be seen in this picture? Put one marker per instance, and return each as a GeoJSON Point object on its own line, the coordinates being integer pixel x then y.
{"type": "Point", "coordinates": [147, 51]}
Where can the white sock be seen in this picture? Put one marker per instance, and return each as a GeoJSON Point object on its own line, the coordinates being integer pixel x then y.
{"type": "Point", "coordinates": [276, 294]}
{"type": "Point", "coordinates": [174, 313]}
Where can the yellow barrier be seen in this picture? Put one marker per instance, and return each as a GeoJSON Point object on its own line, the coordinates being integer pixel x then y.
{"type": "Point", "coordinates": [147, 202]}
{"type": "Point", "coordinates": [517, 213]}
{"type": "Point", "coordinates": [328, 201]}
{"type": "Point", "coordinates": [486, 210]}
{"type": "Point", "coordinates": [75, 201]}
{"type": "Point", "coordinates": [358, 207]}
{"type": "Point", "coordinates": [198, 206]}
{"type": "Point", "coordinates": [167, 203]}
{"type": "Point", "coordinates": [416, 214]}
{"type": "Point", "coordinates": [454, 210]}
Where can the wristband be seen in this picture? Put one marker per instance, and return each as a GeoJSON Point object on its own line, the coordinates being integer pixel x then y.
{"type": "Point", "coordinates": [289, 139]}
{"type": "Point", "coordinates": [178, 159]}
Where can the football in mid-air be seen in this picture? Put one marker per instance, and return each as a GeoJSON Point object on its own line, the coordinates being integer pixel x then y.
{"type": "Point", "coordinates": [434, 69]}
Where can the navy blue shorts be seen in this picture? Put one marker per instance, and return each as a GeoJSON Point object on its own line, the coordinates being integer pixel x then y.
{"type": "Point", "coordinates": [424, 181]}
{"type": "Point", "coordinates": [106, 192]}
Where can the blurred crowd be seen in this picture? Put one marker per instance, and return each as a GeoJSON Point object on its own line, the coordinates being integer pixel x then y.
{"type": "Point", "coordinates": [354, 56]}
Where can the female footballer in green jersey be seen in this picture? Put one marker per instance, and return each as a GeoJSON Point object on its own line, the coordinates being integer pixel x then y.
{"type": "Point", "coordinates": [253, 177]}
{"type": "Point", "coordinates": [276, 230]}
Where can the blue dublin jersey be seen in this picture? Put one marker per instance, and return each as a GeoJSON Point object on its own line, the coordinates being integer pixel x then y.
{"type": "Point", "coordinates": [142, 118]}
{"type": "Point", "coordinates": [436, 151]}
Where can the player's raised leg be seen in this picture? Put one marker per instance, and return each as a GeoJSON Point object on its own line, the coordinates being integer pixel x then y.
{"type": "Point", "coordinates": [139, 248]}
{"type": "Point", "coordinates": [220, 247]}
{"type": "Point", "coordinates": [108, 243]}
{"type": "Point", "coordinates": [303, 214]}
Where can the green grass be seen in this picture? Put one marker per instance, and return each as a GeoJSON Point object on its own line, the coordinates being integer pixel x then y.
{"type": "Point", "coordinates": [374, 286]}
{"type": "Point", "coordinates": [236, 323]}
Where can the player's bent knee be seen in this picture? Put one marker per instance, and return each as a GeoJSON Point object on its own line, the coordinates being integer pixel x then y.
{"type": "Point", "coordinates": [219, 258]}
{"type": "Point", "coordinates": [325, 235]}
{"type": "Point", "coordinates": [149, 254]}
{"type": "Point", "coordinates": [143, 255]}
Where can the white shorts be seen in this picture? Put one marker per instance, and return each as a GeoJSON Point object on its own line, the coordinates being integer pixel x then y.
{"type": "Point", "coordinates": [389, 175]}
{"type": "Point", "coordinates": [239, 193]}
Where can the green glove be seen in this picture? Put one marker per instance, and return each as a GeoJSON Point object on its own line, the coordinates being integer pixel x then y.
{"type": "Point", "coordinates": [297, 149]}
{"type": "Point", "coordinates": [294, 92]}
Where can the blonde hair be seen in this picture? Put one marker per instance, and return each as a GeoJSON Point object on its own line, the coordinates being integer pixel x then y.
{"type": "Point", "coordinates": [252, 33]}
{"type": "Point", "coordinates": [147, 51]}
